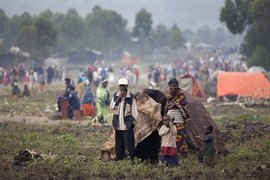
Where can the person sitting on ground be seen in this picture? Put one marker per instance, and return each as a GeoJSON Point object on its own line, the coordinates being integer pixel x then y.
{"type": "Point", "coordinates": [26, 91]}
{"type": "Point", "coordinates": [66, 94]}
{"type": "Point", "coordinates": [209, 146]}
{"type": "Point", "coordinates": [80, 87]}
{"type": "Point", "coordinates": [88, 100]}
{"type": "Point", "coordinates": [168, 134]}
{"type": "Point", "coordinates": [15, 91]}
{"type": "Point", "coordinates": [74, 102]}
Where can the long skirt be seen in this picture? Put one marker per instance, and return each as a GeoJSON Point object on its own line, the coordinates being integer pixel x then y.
{"type": "Point", "coordinates": [181, 145]}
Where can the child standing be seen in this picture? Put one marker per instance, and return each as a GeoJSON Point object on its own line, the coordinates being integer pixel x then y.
{"type": "Point", "coordinates": [209, 146]}
{"type": "Point", "coordinates": [168, 141]}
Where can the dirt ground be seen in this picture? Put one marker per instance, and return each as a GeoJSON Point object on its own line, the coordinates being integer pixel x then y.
{"type": "Point", "coordinates": [42, 120]}
{"type": "Point", "coordinates": [239, 126]}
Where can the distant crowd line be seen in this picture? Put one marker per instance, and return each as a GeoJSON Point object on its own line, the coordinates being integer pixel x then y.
{"type": "Point", "coordinates": [199, 68]}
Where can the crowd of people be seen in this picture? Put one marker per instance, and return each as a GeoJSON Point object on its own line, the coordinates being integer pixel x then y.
{"type": "Point", "coordinates": [36, 74]}
{"type": "Point", "coordinates": [124, 107]}
{"type": "Point", "coordinates": [172, 132]}
{"type": "Point", "coordinates": [123, 102]}
{"type": "Point", "coordinates": [200, 68]}
{"type": "Point", "coordinates": [80, 97]}
{"type": "Point", "coordinates": [18, 75]}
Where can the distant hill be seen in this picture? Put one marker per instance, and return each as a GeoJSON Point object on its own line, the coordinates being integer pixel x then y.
{"type": "Point", "coordinates": [190, 14]}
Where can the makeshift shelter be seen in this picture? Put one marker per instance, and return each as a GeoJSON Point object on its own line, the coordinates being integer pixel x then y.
{"type": "Point", "coordinates": [256, 69]}
{"type": "Point", "coordinates": [189, 84]}
{"type": "Point", "coordinates": [211, 84]}
{"type": "Point", "coordinates": [203, 76]}
{"type": "Point", "coordinates": [246, 84]}
{"type": "Point", "coordinates": [150, 110]}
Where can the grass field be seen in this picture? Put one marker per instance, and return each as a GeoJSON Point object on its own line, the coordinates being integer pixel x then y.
{"type": "Point", "coordinates": [71, 149]}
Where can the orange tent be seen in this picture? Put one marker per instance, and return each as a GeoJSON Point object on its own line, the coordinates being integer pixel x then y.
{"type": "Point", "coordinates": [246, 84]}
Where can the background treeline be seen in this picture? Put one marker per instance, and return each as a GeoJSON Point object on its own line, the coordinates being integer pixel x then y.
{"type": "Point", "coordinates": [251, 17]}
{"type": "Point", "coordinates": [102, 30]}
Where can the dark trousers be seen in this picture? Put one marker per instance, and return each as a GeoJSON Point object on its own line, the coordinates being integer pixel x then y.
{"type": "Point", "coordinates": [70, 110]}
{"type": "Point", "coordinates": [124, 140]}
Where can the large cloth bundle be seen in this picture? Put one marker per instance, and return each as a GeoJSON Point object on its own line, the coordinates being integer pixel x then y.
{"type": "Point", "coordinates": [150, 110]}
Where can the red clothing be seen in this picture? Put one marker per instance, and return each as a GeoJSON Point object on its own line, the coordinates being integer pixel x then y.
{"type": "Point", "coordinates": [88, 109]}
{"type": "Point", "coordinates": [168, 151]}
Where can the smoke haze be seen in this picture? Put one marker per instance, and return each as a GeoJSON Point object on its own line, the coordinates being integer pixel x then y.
{"type": "Point", "coordinates": [187, 14]}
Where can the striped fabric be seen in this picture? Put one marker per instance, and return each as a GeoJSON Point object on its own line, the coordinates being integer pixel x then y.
{"type": "Point", "coordinates": [176, 114]}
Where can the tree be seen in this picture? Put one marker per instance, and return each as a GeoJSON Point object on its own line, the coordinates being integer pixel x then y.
{"type": "Point", "coordinates": [161, 35]}
{"type": "Point", "coordinates": [21, 32]}
{"type": "Point", "coordinates": [176, 39]}
{"type": "Point", "coordinates": [143, 32]}
{"type": "Point", "coordinates": [47, 13]}
{"type": "Point", "coordinates": [188, 34]}
{"type": "Point", "coordinates": [203, 34]}
{"type": "Point", "coordinates": [72, 28]}
{"type": "Point", "coordinates": [235, 15]}
{"type": "Point", "coordinates": [106, 30]}
{"type": "Point", "coordinates": [25, 20]}
{"type": "Point", "coordinates": [46, 36]}
{"type": "Point", "coordinates": [258, 57]}
{"type": "Point", "coordinates": [252, 17]}
{"type": "Point", "coordinates": [143, 24]}
{"type": "Point", "coordinates": [12, 32]}
{"type": "Point", "coordinates": [3, 27]}
{"type": "Point", "coordinates": [3, 23]}
{"type": "Point", "coordinates": [61, 45]}
{"type": "Point", "coordinates": [218, 37]}
{"type": "Point", "coordinates": [27, 39]}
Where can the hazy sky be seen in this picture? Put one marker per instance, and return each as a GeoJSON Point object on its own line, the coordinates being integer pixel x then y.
{"type": "Point", "coordinates": [185, 13]}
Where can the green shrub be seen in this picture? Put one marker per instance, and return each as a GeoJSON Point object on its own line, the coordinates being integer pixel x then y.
{"type": "Point", "coordinates": [67, 139]}
{"type": "Point", "coordinates": [31, 139]}
{"type": "Point", "coordinates": [245, 154]}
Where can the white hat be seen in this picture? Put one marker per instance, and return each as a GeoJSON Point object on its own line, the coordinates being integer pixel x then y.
{"type": "Point", "coordinates": [123, 81]}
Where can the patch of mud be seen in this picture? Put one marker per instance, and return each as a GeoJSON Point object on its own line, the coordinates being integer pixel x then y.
{"type": "Point", "coordinates": [247, 130]}
{"type": "Point", "coordinates": [40, 120]}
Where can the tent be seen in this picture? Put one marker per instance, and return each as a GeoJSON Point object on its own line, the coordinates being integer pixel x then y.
{"type": "Point", "coordinates": [246, 84]}
{"type": "Point", "coordinates": [189, 84]}
{"type": "Point", "coordinates": [150, 110]}
{"type": "Point", "coordinates": [211, 84]}
{"type": "Point", "coordinates": [256, 69]}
